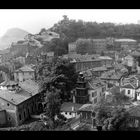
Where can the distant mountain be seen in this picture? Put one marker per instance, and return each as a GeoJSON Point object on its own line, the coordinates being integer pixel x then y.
{"type": "Point", "coordinates": [12, 35]}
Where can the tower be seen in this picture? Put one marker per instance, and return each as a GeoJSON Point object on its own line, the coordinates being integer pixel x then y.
{"type": "Point", "coordinates": [81, 94]}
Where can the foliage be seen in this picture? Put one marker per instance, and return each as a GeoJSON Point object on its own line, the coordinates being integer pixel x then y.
{"type": "Point", "coordinates": [53, 104]}
{"type": "Point", "coordinates": [59, 74]}
{"type": "Point", "coordinates": [112, 118]}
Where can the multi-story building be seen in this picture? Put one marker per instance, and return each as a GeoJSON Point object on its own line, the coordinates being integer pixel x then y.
{"type": "Point", "coordinates": [20, 101]}
{"type": "Point", "coordinates": [81, 94]}
{"type": "Point", "coordinates": [96, 90]}
{"type": "Point", "coordinates": [126, 44]}
{"type": "Point", "coordinates": [24, 73]}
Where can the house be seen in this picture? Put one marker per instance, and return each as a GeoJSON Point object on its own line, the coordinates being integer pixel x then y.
{"type": "Point", "coordinates": [128, 60]}
{"type": "Point", "coordinates": [87, 114]}
{"type": "Point", "coordinates": [20, 102]}
{"type": "Point", "coordinates": [96, 90]}
{"type": "Point", "coordinates": [24, 73]}
{"type": "Point", "coordinates": [70, 110]}
{"type": "Point", "coordinates": [112, 77]}
{"type": "Point", "coordinates": [131, 86]}
{"type": "Point", "coordinates": [126, 43]}
{"type": "Point", "coordinates": [98, 71]}
{"type": "Point", "coordinates": [134, 117]}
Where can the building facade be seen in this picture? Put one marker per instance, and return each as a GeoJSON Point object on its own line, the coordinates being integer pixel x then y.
{"type": "Point", "coordinates": [24, 73]}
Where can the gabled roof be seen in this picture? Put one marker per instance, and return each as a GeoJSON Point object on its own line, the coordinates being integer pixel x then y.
{"type": "Point", "coordinates": [14, 97]}
{"type": "Point", "coordinates": [25, 69]}
{"type": "Point", "coordinates": [130, 86]}
{"type": "Point", "coordinates": [87, 107]}
{"type": "Point", "coordinates": [95, 83]}
{"type": "Point", "coordinates": [28, 89]}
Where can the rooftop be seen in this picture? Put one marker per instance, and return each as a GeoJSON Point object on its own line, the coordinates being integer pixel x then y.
{"type": "Point", "coordinates": [114, 75]}
{"type": "Point", "coordinates": [94, 84]}
{"type": "Point", "coordinates": [25, 69]}
{"type": "Point", "coordinates": [14, 97]}
{"type": "Point", "coordinates": [134, 111]}
{"type": "Point", "coordinates": [87, 107]}
{"type": "Point", "coordinates": [67, 107]}
{"type": "Point", "coordinates": [125, 40]}
{"type": "Point", "coordinates": [30, 86]}
{"type": "Point", "coordinates": [28, 89]}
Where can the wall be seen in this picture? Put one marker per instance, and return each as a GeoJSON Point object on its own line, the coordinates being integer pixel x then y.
{"type": "Point", "coordinates": [3, 118]}
{"type": "Point", "coordinates": [27, 108]}
{"type": "Point", "coordinates": [132, 92]}
{"type": "Point", "coordinates": [21, 76]}
{"type": "Point", "coordinates": [10, 112]}
{"type": "Point", "coordinates": [69, 115]}
{"type": "Point", "coordinates": [99, 94]}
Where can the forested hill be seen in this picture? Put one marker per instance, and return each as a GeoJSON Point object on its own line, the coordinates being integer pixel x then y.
{"type": "Point", "coordinates": [72, 29]}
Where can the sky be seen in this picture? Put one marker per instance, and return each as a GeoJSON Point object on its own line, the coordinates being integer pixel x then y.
{"type": "Point", "coordinates": [32, 20]}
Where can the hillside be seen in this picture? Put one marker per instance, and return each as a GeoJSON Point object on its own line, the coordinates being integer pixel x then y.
{"type": "Point", "coordinates": [12, 35]}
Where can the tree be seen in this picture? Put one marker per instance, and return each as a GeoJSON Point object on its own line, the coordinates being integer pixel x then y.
{"type": "Point", "coordinates": [53, 104]}
{"type": "Point", "coordinates": [112, 118]}
{"type": "Point", "coordinates": [59, 74]}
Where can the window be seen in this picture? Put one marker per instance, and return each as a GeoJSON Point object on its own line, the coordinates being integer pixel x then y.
{"type": "Point", "coordinates": [19, 116]}
{"type": "Point", "coordinates": [94, 94]}
{"type": "Point", "coordinates": [24, 115]}
{"type": "Point", "coordinates": [70, 113]}
{"type": "Point", "coordinates": [95, 100]}
{"type": "Point", "coordinates": [66, 113]}
{"type": "Point", "coordinates": [8, 104]}
{"type": "Point", "coordinates": [128, 92]}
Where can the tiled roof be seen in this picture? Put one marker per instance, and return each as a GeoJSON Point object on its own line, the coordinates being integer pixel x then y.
{"type": "Point", "coordinates": [87, 107]}
{"type": "Point", "coordinates": [103, 68]}
{"type": "Point", "coordinates": [28, 89]}
{"type": "Point", "coordinates": [111, 75]}
{"type": "Point", "coordinates": [67, 107]}
{"type": "Point", "coordinates": [95, 83]}
{"type": "Point", "coordinates": [30, 86]}
{"type": "Point", "coordinates": [13, 97]}
{"type": "Point", "coordinates": [10, 83]}
{"type": "Point", "coordinates": [134, 111]}
{"type": "Point", "coordinates": [25, 68]}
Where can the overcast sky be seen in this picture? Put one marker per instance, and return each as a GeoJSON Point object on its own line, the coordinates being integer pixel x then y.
{"type": "Point", "coordinates": [33, 20]}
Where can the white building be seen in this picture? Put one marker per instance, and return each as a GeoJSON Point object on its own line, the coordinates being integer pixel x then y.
{"type": "Point", "coordinates": [24, 73]}
{"type": "Point", "coordinates": [70, 110]}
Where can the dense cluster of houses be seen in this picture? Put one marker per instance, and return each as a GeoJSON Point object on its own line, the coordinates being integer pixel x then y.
{"type": "Point", "coordinates": [100, 77]}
